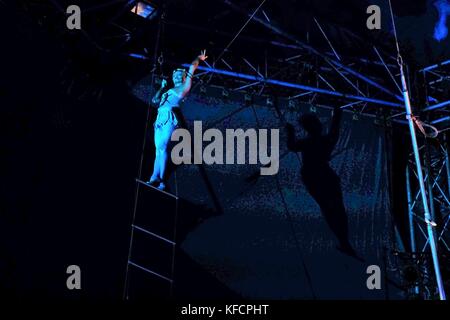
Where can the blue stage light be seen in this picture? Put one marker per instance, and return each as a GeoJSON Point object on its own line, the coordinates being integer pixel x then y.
{"type": "Point", "coordinates": [441, 29]}
{"type": "Point", "coordinates": [143, 9]}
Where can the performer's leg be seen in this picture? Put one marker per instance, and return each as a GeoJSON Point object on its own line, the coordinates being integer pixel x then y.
{"type": "Point", "coordinates": [156, 164]}
{"type": "Point", "coordinates": [162, 146]}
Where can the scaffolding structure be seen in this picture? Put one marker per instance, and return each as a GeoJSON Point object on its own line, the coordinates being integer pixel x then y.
{"type": "Point", "coordinates": [435, 156]}
{"type": "Point", "coordinates": [376, 85]}
{"type": "Point", "coordinates": [428, 180]}
{"type": "Point", "coordinates": [436, 177]}
{"type": "Point", "coordinates": [360, 84]}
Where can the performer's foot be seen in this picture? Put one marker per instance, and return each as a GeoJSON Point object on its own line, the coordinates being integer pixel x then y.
{"type": "Point", "coordinates": [154, 182]}
{"type": "Point", "coordinates": [162, 186]}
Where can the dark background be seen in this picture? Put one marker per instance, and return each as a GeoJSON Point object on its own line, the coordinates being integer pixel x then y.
{"type": "Point", "coordinates": [71, 136]}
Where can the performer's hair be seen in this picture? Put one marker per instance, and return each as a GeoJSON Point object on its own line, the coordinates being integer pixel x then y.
{"type": "Point", "coordinates": [179, 69]}
{"type": "Point", "coordinates": [186, 73]}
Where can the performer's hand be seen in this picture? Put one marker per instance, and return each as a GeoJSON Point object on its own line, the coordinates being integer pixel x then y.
{"type": "Point", "coordinates": [203, 56]}
{"type": "Point", "coordinates": [163, 83]}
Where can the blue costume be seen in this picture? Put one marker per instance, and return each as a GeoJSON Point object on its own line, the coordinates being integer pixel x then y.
{"type": "Point", "coordinates": [166, 122]}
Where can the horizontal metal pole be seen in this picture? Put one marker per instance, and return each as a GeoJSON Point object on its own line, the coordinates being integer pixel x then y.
{"type": "Point", "coordinates": [149, 271]}
{"type": "Point", "coordinates": [152, 187]}
{"type": "Point", "coordinates": [297, 86]}
{"type": "Point", "coordinates": [437, 106]}
{"type": "Point", "coordinates": [435, 66]}
{"type": "Point", "coordinates": [138, 56]}
{"type": "Point", "coordinates": [440, 120]}
{"type": "Point", "coordinates": [153, 234]}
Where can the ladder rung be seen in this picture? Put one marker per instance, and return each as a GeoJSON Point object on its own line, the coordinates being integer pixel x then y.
{"type": "Point", "coordinates": [150, 186]}
{"type": "Point", "coordinates": [153, 234]}
{"type": "Point", "coordinates": [150, 271]}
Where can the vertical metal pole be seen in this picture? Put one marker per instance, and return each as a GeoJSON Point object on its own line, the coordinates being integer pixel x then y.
{"type": "Point", "coordinates": [427, 161]}
{"type": "Point", "coordinates": [447, 164]}
{"type": "Point", "coordinates": [412, 234]}
{"type": "Point", "coordinates": [175, 240]}
{"type": "Point", "coordinates": [431, 237]}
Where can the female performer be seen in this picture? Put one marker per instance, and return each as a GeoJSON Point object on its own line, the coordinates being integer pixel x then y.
{"type": "Point", "coordinates": [166, 121]}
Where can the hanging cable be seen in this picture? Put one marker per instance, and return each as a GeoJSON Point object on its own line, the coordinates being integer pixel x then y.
{"type": "Point", "coordinates": [239, 32]}
{"type": "Point", "coordinates": [420, 124]}
{"type": "Point", "coordinates": [231, 42]}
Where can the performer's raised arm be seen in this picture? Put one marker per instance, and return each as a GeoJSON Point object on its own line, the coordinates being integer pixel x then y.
{"type": "Point", "coordinates": [188, 83]}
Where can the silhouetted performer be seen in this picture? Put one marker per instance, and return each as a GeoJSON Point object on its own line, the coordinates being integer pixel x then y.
{"type": "Point", "coordinates": [319, 178]}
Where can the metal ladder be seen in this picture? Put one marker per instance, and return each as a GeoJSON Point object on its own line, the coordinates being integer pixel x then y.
{"type": "Point", "coordinates": [150, 267]}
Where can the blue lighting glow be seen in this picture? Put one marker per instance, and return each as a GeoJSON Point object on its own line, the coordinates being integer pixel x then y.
{"type": "Point", "coordinates": [138, 56]}
{"type": "Point", "coordinates": [441, 29]}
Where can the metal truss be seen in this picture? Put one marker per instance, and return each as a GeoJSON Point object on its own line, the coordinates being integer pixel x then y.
{"type": "Point", "coordinates": [294, 69]}
{"type": "Point", "coordinates": [333, 76]}
{"type": "Point", "coordinates": [437, 82]}
{"type": "Point", "coordinates": [437, 179]}
{"type": "Point", "coordinates": [358, 83]}
{"type": "Point", "coordinates": [340, 79]}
